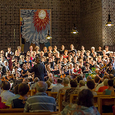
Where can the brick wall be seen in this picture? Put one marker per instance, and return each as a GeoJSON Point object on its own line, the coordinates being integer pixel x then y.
{"type": "Point", "coordinates": [91, 23]}
{"type": "Point", "coordinates": [108, 33]}
{"type": "Point", "coordinates": [90, 17]}
{"type": "Point", "coordinates": [63, 14]}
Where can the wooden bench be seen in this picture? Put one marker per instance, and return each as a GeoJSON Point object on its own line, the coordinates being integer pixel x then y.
{"type": "Point", "coordinates": [60, 100]}
{"type": "Point", "coordinates": [33, 92]}
{"type": "Point", "coordinates": [39, 113]}
{"type": "Point", "coordinates": [53, 94]}
{"type": "Point", "coordinates": [105, 101]}
{"type": "Point", "coordinates": [18, 110]}
{"type": "Point", "coordinates": [73, 97]}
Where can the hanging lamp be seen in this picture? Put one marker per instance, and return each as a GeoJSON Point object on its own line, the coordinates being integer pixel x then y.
{"type": "Point", "coordinates": [48, 36]}
{"type": "Point", "coordinates": [74, 30]}
{"type": "Point", "coordinates": [109, 22]}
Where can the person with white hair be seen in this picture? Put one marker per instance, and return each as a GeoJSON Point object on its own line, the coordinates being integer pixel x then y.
{"type": "Point", "coordinates": [92, 51]}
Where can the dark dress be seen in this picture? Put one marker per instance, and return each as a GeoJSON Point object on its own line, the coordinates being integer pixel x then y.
{"type": "Point", "coordinates": [18, 103]}
{"type": "Point", "coordinates": [24, 71]}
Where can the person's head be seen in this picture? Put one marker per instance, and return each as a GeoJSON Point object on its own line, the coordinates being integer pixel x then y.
{"type": "Point", "coordinates": [82, 48]}
{"type": "Point", "coordinates": [90, 84]}
{"type": "Point", "coordinates": [110, 83]}
{"type": "Point", "coordinates": [99, 48]}
{"type": "Point", "coordinates": [79, 78]}
{"type": "Point", "coordinates": [41, 86]}
{"type": "Point", "coordinates": [105, 82]}
{"type": "Point", "coordinates": [92, 49]}
{"type": "Point", "coordinates": [38, 59]}
{"type": "Point", "coordinates": [36, 79]}
{"type": "Point", "coordinates": [37, 48]}
{"type": "Point", "coordinates": [72, 46]}
{"type": "Point", "coordinates": [45, 49]}
{"type": "Point", "coordinates": [31, 48]}
{"type": "Point", "coordinates": [50, 48]}
{"type": "Point", "coordinates": [5, 85]}
{"type": "Point", "coordinates": [59, 80]}
{"type": "Point", "coordinates": [9, 49]}
{"type": "Point", "coordinates": [66, 81]}
{"type": "Point", "coordinates": [81, 83]}
{"type": "Point", "coordinates": [96, 79]}
{"type": "Point", "coordinates": [48, 83]}
{"type": "Point", "coordinates": [73, 83]}
{"type": "Point", "coordinates": [23, 89]}
{"type": "Point", "coordinates": [16, 89]}
{"type": "Point", "coordinates": [89, 78]}
{"type": "Point", "coordinates": [85, 98]}
{"type": "Point", "coordinates": [19, 48]}
{"type": "Point", "coordinates": [62, 47]}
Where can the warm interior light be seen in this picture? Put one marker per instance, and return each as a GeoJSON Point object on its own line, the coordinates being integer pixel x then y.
{"type": "Point", "coordinates": [74, 30]}
{"type": "Point", "coordinates": [48, 36]}
{"type": "Point", "coordinates": [109, 23]}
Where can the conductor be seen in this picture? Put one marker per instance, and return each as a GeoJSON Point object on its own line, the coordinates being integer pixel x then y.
{"type": "Point", "coordinates": [39, 69]}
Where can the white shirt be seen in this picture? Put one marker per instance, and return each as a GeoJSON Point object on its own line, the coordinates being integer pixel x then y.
{"type": "Point", "coordinates": [51, 86]}
{"type": "Point", "coordinates": [100, 85]}
{"type": "Point", "coordinates": [57, 88]}
{"type": "Point", "coordinates": [5, 95]}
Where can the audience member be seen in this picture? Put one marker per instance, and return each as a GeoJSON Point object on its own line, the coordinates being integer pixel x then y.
{"type": "Point", "coordinates": [40, 101]}
{"type": "Point", "coordinates": [84, 105]}
{"type": "Point", "coordinates": [101, 89]}
{"type": "Point", "coordinates": [82, 85]}
{"type": "Point", "coordinates": [91, 86]}
{"type": "Point", "coordinates": [73, 90]}
{"type": "Point", "coordinates": [58, 86]}
{"type": "Point", "coordinates": [110, 88]}
{"type": "Point", "coordinates": [20, 102]}
{"type": "Point", "coordinates": [8, 103]}
{"type": "Point", "coordinates": [6, 94]}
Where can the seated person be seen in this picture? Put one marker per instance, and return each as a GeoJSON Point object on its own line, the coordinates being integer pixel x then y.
{"type": "Point", "coordinates": [66, 82]}
{"type": "Point", "coordinates": [82, 85]}
{"type": "Point", "coordinates": [72, 90]}
{"type": "Point", "coordinates": [91, 86]}
{"type": "Point", "coordinates": [48, 84]}
{"type": "Point", "coordinates": [58, 86]}
{"type": "Point", "coordinates": [8, 103]}
{"type": "Point", "coordinates": [6, 94]}
{"type": "Point", "coordinates": [40, 101]}
{"type": "Point", "coordinates": [110, 88]}
{"type": "Point", "coordinates": [84, 105]}
{"type": "Point", "coordinates": [101, 89]}
{"type": "Point", "coordinates": [20, 102]}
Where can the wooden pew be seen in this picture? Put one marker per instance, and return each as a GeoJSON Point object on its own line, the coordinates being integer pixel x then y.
{"type": "Point", "coordinates": [105, 101]}
{"type": "Point", "coordinates": [99, 93]}
{"type": "Point", "coordinates": [53, 94]}
{"type": "Point", "coordinates": [18, 110]}
{"type": "Point", "coordinates": [60, 100]}
{"type": "Point", "coordinates": [48, 93]}
{"type": "Point", "coordinates": [33, 92]}
{"type": "Point", "coordinates": [39, 113]}
{"type": "Point", "coordinates": [73, 97]}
